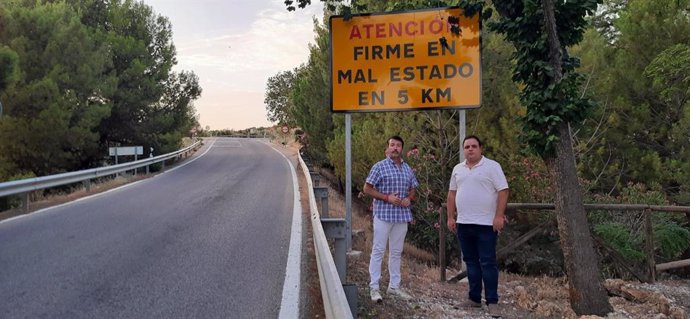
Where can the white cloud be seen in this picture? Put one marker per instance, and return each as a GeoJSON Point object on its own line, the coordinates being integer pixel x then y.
{"type": "Point", "coordinates": [234, 61]}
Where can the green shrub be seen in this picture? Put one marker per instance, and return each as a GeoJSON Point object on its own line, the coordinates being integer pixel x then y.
{"type": "Point", "coordinates": [671, 238]}
{"type": "Point", "coordinates": [625, 230]}
{"type": "Point", "coordinates": [624, 241]}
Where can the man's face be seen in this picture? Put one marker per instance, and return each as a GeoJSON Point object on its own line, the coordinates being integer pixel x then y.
{"type": "Point", "coordinates": [472, 150]}
{"type": "Point", "coordinates": [394, 148]}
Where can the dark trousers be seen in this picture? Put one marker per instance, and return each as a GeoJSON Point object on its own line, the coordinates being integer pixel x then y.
{"type": "Point", "coordinates": [478, 244]}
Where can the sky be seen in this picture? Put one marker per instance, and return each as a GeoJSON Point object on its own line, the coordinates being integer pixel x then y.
{"type": "Point", "coordinates": [234, 47]}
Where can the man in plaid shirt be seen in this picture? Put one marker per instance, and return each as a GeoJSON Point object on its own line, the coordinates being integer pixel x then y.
{"type": "Point", "coordinates": [391, 182]}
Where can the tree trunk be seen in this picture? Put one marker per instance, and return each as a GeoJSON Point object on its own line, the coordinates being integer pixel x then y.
{"type": "Point", "coordinates": [587, 294]}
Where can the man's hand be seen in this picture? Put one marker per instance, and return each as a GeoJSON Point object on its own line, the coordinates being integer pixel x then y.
{"type": "Point", "coordinates": [451, 225]}
{"type": "Point", "coordinates": [405, 202]}
{"type": "Point", "coordinates": [499, 222]}
{"type": "Point", "coordinates": [500, 217]}
{"type": "Point", "coordinates": [394, 199]}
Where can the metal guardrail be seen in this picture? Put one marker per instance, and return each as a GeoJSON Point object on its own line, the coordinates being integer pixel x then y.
{"type": "Point", "coordinates": [27, 185]}
{"type": "Point", "coordinates": [335, 302]}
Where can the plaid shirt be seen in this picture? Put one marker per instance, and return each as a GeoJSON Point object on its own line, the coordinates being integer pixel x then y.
{"type": "Point", "coordinates": [388, 178]}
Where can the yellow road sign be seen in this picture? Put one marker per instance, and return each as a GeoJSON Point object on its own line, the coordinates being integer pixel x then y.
{"type": "Point", "coordinates": [405, 61]}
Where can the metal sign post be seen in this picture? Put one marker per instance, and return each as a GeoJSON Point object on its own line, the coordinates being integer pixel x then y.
{"type": "Point", "coordinates": [462, 133]}
{"type": "Point", "coordinates": [462, 128]}
{"type": "Point", "coordinates": [348, 180]}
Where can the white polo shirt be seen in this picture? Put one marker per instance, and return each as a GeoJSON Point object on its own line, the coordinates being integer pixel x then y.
{"type": "Point", "coordinates": [477, 190]}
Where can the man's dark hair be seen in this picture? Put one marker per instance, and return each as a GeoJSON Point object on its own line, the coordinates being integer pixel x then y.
{"type": "Point", "coordinates": [397, 138]}
{"type": "Point", "coordinates": [474, 137]}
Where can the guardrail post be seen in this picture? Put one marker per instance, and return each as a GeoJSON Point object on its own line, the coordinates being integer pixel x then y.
{"type": "Point", "coordinates": [321, 193]}
{"type": "Point", "coordinates": [336, 228]}
{"type": "Point", "coordinates": [315, 177]}
{"type": "Point", "coordinates": [310, 166]}
{"type": "Point", "coordinates": [351, 295]}
{"type": "Point", "coordinates": [87, 185]}
{"type": "Point", "coordinates": [25, 201]}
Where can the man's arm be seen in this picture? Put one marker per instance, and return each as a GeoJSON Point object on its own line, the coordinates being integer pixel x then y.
{"type": "Point", "coordinates": [450, 208]}
{"type": "Point", "coordinates": [502, 203]}
{"type": "Point", "coordinates": [373, 192]}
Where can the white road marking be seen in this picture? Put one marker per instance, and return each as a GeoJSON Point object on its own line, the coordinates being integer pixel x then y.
{"type": "Point", "coordinates": [290, 304]}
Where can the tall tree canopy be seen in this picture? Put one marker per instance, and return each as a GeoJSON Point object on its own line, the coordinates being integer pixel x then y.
{"type": "Point", "coordinates": [54, 109]}
{"type": "Point", "coordinates": [8, 67]}
{"type": "Point", "coordinates": [91, 74]}
{"type": "Point", "coordinates": [639, 72]}
{"type": "Point", "coordinates": [310, 97]}
{"type": "Point", "coordinates": [278, 104]}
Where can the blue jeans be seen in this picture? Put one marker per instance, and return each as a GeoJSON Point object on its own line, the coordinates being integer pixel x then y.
{"type": "Point", "coordinates": [478, 244]}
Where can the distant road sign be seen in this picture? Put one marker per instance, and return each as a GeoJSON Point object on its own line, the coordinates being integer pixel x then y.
{"type": "Point", "coordinates": [126, 150]}
{"type": "Point", "coordinates": [405, 61]}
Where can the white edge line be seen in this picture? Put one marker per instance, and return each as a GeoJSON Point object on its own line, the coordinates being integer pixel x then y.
{"type": "Point", "coordinates": [289, 306]}
{"type": "Point", "coordinates": [104, 192]}
{"type": "Point", "coordinates": [192, 160]}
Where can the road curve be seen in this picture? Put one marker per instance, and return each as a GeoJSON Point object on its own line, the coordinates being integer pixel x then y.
{"type": "Point", "coordinates": [206, 240]}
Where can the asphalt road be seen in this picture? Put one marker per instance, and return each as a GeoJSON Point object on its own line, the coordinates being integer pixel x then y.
{"type": "Point", "coordinates": [206, 240]}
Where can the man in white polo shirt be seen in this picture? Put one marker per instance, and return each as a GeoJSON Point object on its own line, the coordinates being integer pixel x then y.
{"type": "Point", "coordinates": [478, 192]}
